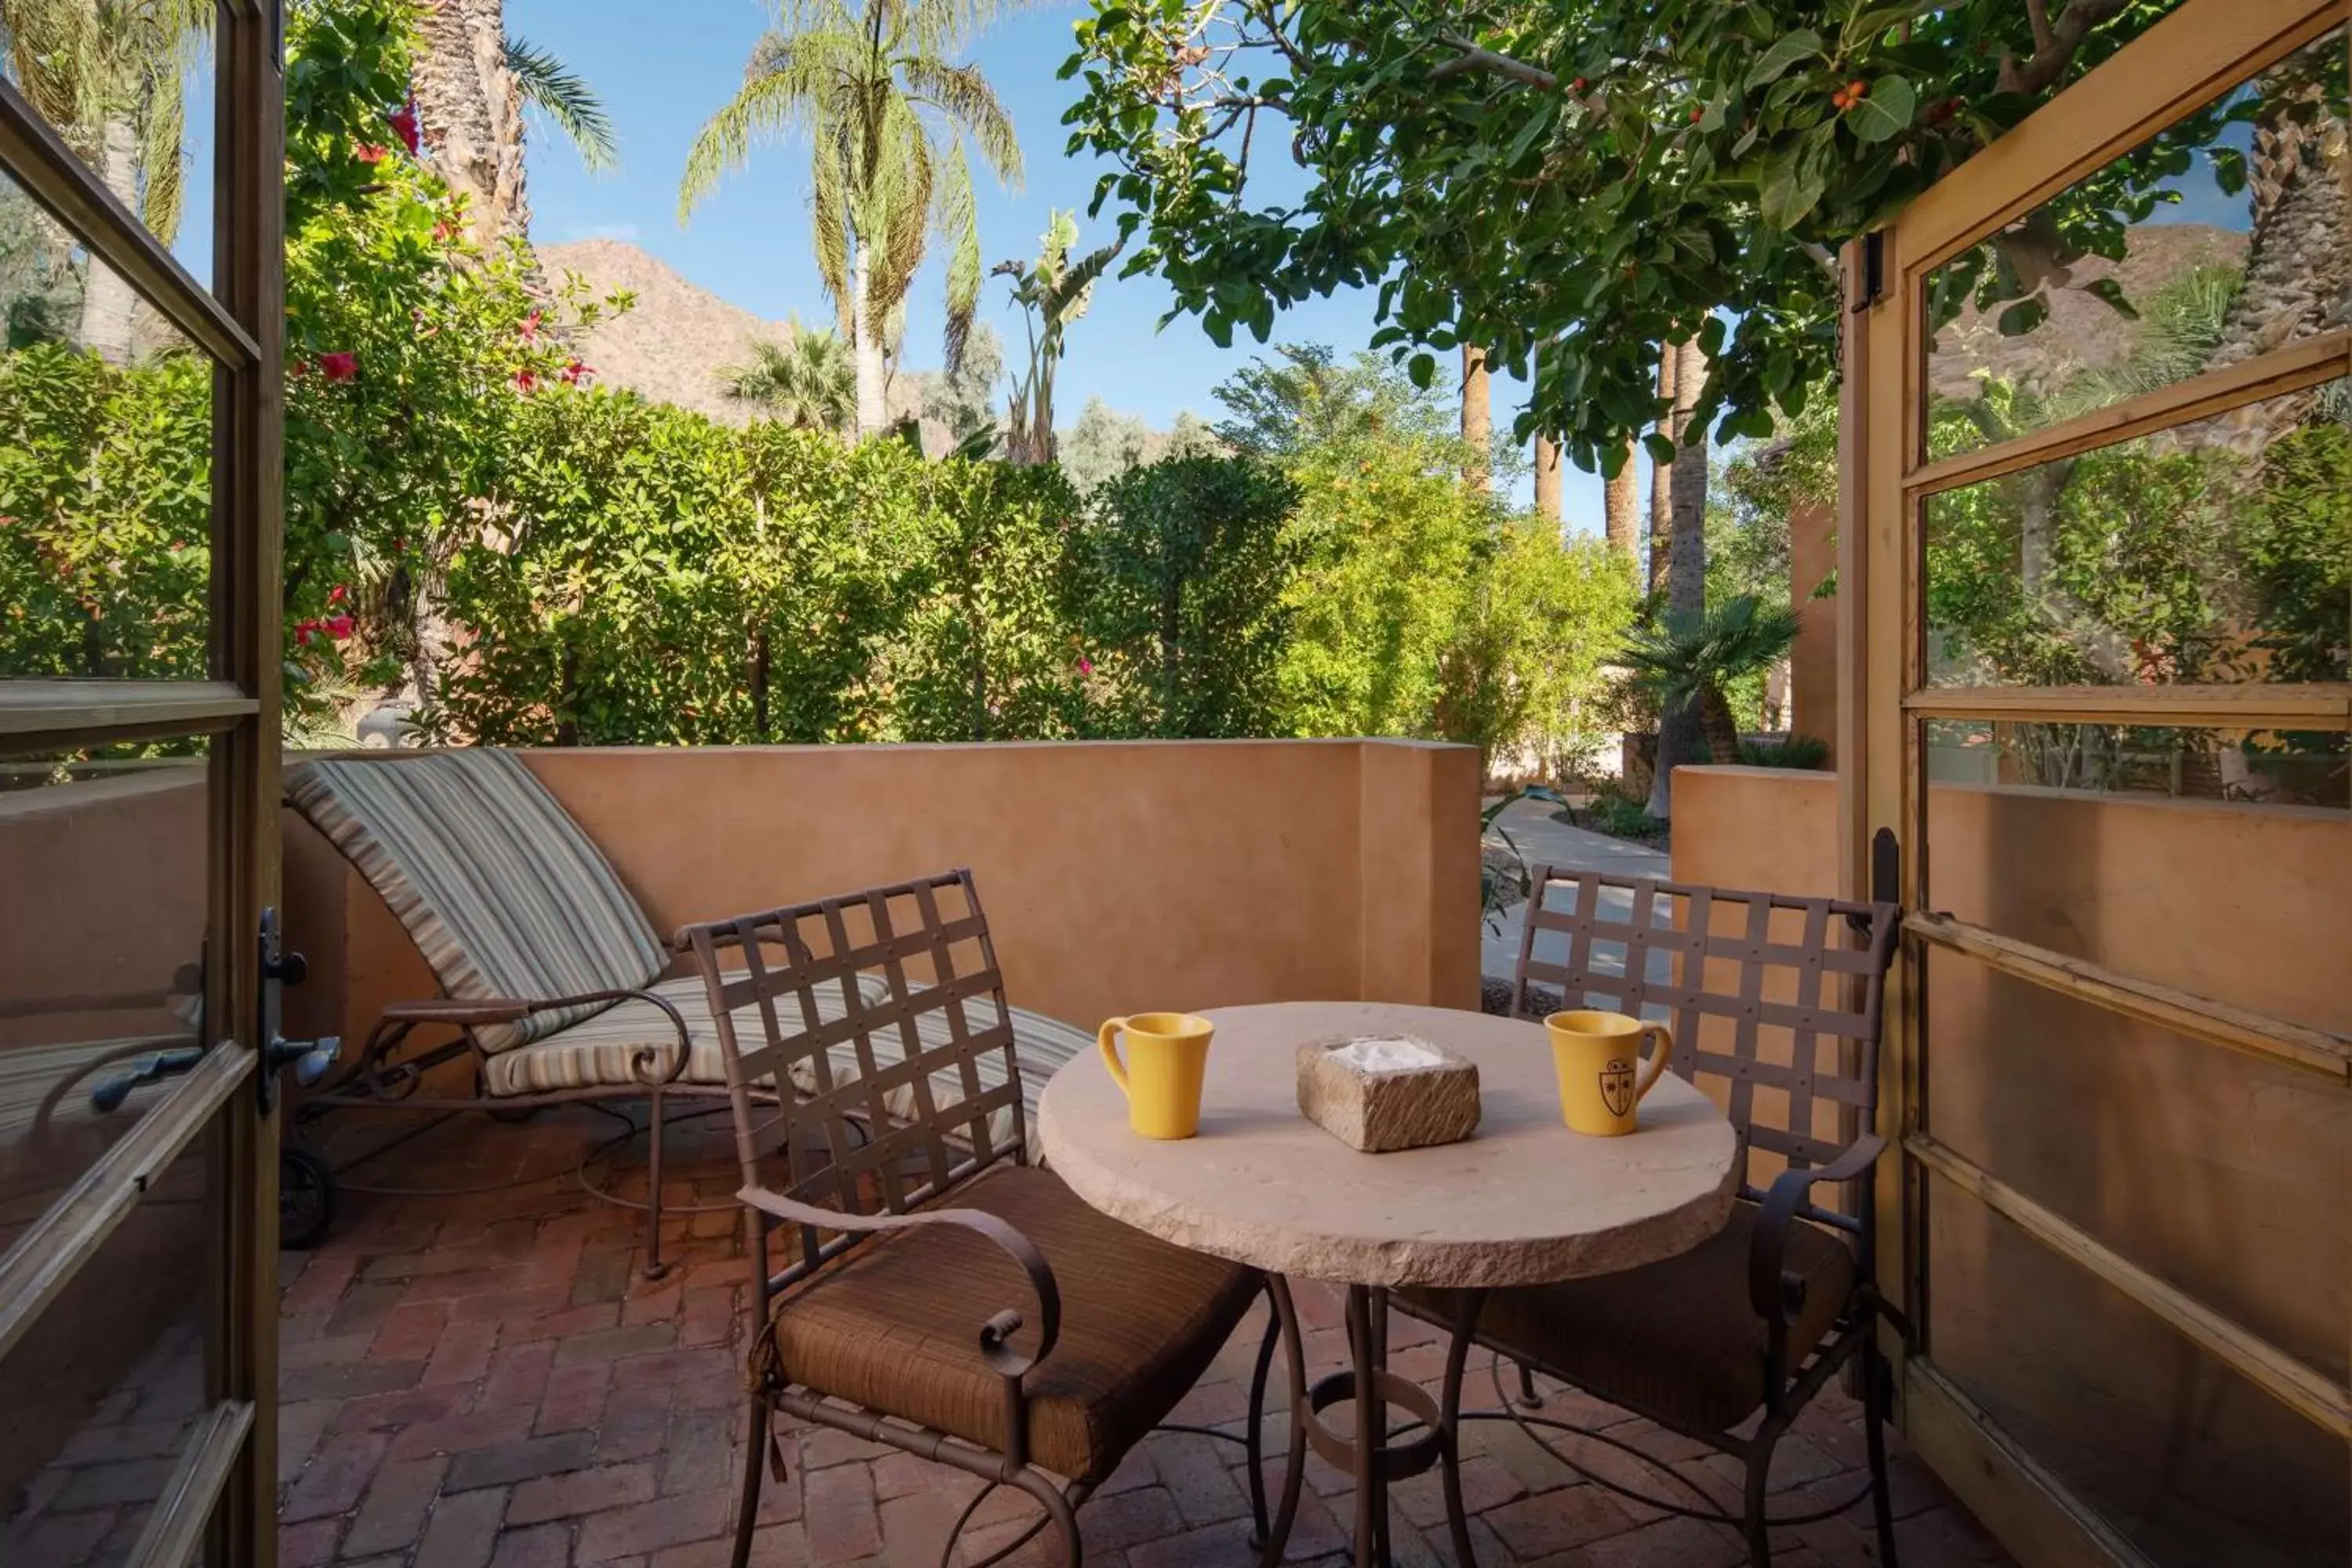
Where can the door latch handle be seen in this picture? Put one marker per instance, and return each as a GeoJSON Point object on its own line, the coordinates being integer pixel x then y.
{"type": "Point", "coordinates": [308, 1058]}
{"type": "Point", "coordinates": [114, 1089]}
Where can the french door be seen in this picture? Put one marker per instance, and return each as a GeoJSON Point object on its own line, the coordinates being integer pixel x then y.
{"type": "Point", "coordinates": [139, 746]}
{"type": "Point", "coordinates": [2098, 506]}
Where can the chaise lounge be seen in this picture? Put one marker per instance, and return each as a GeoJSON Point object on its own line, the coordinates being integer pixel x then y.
{"type": "Point", "coordinates": [553, 982]}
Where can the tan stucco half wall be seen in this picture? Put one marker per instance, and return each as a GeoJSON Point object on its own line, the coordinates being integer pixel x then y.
{"type": "Point", "coordinates": [2224, 1175]}
{"type": "Point", "coordinates": [1116, 877]}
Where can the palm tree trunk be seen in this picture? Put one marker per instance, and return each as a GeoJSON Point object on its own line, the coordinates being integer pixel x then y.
{"type": "Point", "coordinates": [1680, 735]}
{"type": "Point", "coordinates": [1621, 506]}
{"type": "Point", "coordinates": [1477, 416]}
{"type": "Point", "coordinates": [1548, 478]}
{"type": "Point", "coordinates": [471, 113]}
{"type": "Point", "coordinates": [106, 299]}
{"type": "Point", "coordinates": [873, 411]}
{"type": "Point", "coordinates": [1716, 723]}
{"type": "Point", "coordinates": [1662, 476]}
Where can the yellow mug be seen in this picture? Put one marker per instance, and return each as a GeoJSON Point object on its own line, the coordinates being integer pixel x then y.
{"type": "Point", "coordinates": [1167, 1057]}
{"type": "Point", "coordinates": [1602, 1076]}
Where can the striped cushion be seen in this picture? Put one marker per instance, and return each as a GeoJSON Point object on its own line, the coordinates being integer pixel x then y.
{"type": "Point", "coordinates": [596, 1053]}
{"type": "Point", "coordinates": [501, 891]}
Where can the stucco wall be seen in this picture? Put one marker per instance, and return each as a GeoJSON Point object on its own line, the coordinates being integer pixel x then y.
{"type": "Point", "coordinates": [2221, 1173]}
{"type": "Point", "coordinates": [1115, 875]}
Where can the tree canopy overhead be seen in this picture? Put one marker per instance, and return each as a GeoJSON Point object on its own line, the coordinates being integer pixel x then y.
{"type": "Point", "coordinates": [1593, 176]}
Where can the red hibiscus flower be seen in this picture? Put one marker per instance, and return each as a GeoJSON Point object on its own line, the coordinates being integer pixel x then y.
{"type": "Point", "coordinates": [575, 373]}
{"type": "Point", "coordinates": [305, 633]}
{"type": "Point", "coordinates": [372, 151]}
{"type": "Point", "coordinates": [341, 367]}
{"type": "Point", "coordinates": [338, 593]}
{"type": "Point", "coordinates": [443, 232]}
{"type": "Point", "coordinates": [402, 122]}
{"type": "Point", "coordinates": [338, 626]}
{"type": "Point", "coordinates": [525, 380]}
{"type": "Point", "coordinates": [530, 328]}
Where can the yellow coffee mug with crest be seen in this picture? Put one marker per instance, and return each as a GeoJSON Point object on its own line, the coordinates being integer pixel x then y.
{"type": "Point", "coordinates": [1603, 1077]}
{"type": "Point", "coordinates": [1167, 1061]}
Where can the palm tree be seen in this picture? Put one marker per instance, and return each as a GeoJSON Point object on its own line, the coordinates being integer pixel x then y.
{"type": "Point", "coordinates": [1052, 292]}
{"type": "Point", "coordinates": [1689, 660]}
{"type": "Point", "coordinates": [108, 75]}
{"type": "Point", "coordinates": [805, 382]}
{"type": "Point", "coordinates": [886, 113]}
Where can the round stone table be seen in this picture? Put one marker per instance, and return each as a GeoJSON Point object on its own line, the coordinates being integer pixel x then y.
{"type": "Point", "coordinates": [1523, 1201]}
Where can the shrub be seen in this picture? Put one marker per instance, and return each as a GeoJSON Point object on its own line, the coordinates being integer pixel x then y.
{"type": "Point", "coordinates": [1792, 751]}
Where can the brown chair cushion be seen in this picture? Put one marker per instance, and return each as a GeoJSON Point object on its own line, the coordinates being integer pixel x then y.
{"type": "Point", "coordinates": [1677, 1339]}
{"type": "Point", "coordinates": [895, 1325]}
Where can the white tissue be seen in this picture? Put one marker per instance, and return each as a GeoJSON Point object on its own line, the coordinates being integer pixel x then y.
{"type": "Point", "coordinates": [1390, 1054]}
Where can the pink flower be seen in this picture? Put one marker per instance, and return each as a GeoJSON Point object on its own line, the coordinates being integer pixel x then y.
{"type": "Point", "coordinates": [530, 328]}
{"type": "Point", "coordinates": [304, 632]}
{"type": "Point", "coordinates": [443, 232]}
{"type": "Point", "coordinates": [402, 122]}
{"type": "Point", "coordinates": [338, 593]}
{"type": "Point", "coordinates": [372, 151]}
{"type": "Point", "coordinates": [1086, 665]}
{"type": "Point", "coordinates": [338, 626]}
{"type": "Point", "coordinates": [525, 380]}
{"type": "Point", "coordinates": [575, 373]}
{"type": "Point", "coordinates": [340, 366]}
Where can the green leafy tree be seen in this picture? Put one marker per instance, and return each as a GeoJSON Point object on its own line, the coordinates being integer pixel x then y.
{"type": "Point", "coordinates": [1105, 444]}
{"type": "Point", "coordinates": [1639, 174]}
{"type": "Point", "coordinates": [887, 112]}
{"type": "Point", "coordinates": [1392, 544]}
{"type": "Point", "coordinates": [805, 382]}
{"type": "Point", "coordinates": [1183, 572]}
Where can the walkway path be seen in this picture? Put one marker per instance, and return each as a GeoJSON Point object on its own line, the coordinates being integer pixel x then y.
{"type": "Point", "coordinates": [1543, 840]}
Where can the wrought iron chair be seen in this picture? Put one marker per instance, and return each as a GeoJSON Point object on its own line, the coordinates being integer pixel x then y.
{"type": "Point", "coordinates": [1778, 999]}
{"type": "Point", "coordinates": [554, 985]}
{"type": "Point", "coordinates": [947, 1297]}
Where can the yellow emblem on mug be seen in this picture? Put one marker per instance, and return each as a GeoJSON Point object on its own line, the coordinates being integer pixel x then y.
{"type": "Point", "coordinates": [1602, 1075]}
{"type": "Point", "coordinates": [1166, 1058]}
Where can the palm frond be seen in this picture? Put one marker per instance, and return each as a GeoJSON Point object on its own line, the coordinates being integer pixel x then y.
{"type": "Point", "coordinates": [963, 96]}
{"type": "Point", "coordinates": [1680, 660]}
{"type": "Point", "coordinates": [793, 88]}
{"type": "Point", "coordinates": [956, 218]}
{"type": "Point", "coordinates": [560, 93]}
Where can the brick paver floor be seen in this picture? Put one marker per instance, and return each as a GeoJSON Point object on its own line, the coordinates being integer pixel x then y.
{"type": "Point", "coordinates": [487, 1379]}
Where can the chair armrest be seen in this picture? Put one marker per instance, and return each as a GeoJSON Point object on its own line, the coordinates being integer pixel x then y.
{"type": "Point", "coordinates": [463, 1012]}
{"type": "Point", "coordinates": [1767, 1292]}
{"type": "Point", "coordinates": [996, 1333]}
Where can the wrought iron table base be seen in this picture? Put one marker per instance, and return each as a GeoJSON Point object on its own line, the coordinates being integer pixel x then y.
{"type": "Point", "coordinates": [1375, 1453]}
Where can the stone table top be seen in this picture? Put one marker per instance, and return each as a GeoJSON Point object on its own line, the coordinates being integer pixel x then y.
{"type": "Point", "coordinates": [1523, 1201]}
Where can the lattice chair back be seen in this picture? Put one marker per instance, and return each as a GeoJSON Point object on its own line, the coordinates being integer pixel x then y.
{"type": "Point", "coordinates": [801, 996]}
{"type": "Point", "coordinates": [1775, 1002]}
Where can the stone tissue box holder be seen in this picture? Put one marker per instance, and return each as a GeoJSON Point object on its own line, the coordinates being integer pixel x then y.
{"type": "Point", "coordinates": [1382, 1093]}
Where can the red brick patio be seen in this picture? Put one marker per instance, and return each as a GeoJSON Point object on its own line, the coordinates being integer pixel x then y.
{"type": "Point", "coordinates": [487, 1379]}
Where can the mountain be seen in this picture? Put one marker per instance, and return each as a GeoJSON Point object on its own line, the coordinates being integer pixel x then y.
{"type": "Point", "coordinates": [672, 345]}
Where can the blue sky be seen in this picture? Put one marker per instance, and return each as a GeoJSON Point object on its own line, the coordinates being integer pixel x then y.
{"type": "Point", "coordinates": [749, 242]}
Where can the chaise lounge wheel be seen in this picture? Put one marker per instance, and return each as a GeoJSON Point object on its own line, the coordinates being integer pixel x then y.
{"type": "Point", "coordinates": [306, 1199]}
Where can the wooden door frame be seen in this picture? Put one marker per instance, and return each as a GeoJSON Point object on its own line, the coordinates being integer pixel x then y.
{"type": "Point", "coordinates": [220, 1499]}
{"type": "Point", "coordinates": [2193, 56]}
